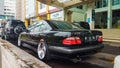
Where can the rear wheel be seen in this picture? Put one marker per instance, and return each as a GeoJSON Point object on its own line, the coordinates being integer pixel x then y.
{"type": "Point", "coordinates": [42, 51]}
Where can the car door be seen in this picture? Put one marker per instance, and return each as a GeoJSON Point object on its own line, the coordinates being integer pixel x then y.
{"type": "Point", "coordinates": [33, 34]}
{"type": "Point", "coordinates": [27, 35]}
{"type": "Point", "coordinates": [41, 28]}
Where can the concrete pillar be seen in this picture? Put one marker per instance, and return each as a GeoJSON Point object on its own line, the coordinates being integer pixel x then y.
{"type": "Point", "coordinates": [31, 21]}
{"type": "Point", "coordinates": [48, 13]}
{"type": "Point", "coordinates": [26, 23]}
{"type": "Point", "coordinates": [109, 17]}
{"type": "Point", "coordinates": [48, 16]}
{"type": "Point", "coordinates": [39, 18]}
{"type": "Point", "coordinates": [37, 10]}
{"type": "Point", "coordinates": [89, 15]}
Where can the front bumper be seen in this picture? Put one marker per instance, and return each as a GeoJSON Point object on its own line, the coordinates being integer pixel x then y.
{"type": "Point", "coordinates": [78, 51]}
{"type": "Point", "coordinates": [11, 35]}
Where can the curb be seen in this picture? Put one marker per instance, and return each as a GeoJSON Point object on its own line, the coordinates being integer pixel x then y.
{"type": "Point", "coordinates": [105, 56]}
{"type": "Point", "coordinates": [22, 58]}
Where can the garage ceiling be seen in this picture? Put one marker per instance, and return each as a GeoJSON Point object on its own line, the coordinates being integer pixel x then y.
{"type": "Point", "coordinates": [66, 3]}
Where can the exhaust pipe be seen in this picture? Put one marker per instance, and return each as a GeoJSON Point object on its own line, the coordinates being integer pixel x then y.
{"type": "Point", "coordinates": [77, 59]}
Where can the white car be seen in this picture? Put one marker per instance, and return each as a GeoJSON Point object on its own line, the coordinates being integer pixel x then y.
{"type": "Point", "coordinates": [117, 62]}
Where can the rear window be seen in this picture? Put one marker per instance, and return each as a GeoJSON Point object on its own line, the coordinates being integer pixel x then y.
{"type": "Point", "coordinates": [64, 25]}
{"type": "Point", "coordinates": [15, 23]}
{"type": "Point", "coordinates": [82, 24]}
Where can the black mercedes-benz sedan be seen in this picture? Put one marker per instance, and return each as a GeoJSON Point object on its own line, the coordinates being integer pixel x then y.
{"type": "Point", "coordinates": [57, 38]}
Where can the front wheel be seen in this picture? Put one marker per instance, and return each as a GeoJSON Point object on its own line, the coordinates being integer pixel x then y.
{"type": "Point", "coordinates": [5, 37]}
{"type": "Point", "coordinates": [19, 42]}
{"type": "Point", "coordinates": [42, 51]}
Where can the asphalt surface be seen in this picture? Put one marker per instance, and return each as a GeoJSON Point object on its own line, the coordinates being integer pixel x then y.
{"type": "Point", "coordinates": [63, 63]}
{"type": "Point", "coordinates": [111, 48]}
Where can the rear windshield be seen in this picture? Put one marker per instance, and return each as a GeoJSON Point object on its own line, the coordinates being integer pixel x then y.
{"type": "Point", "coordinates": [64, 25]}
{"type": "Point", "coordinates": [16, 23]}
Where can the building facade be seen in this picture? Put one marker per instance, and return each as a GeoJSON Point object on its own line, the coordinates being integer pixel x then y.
{"type": "Point", "coordinates": [100, 14]}
{"type": "Point", "coordinates": [1, 9]}
{"type": "Point", "coordinates": [107, 14]}
{"type": "Point", "coordinates": [9, 9]}
{"type": "Point", "coordinates": [50, 12]}
{"type": "Point", "coordinates": [40, 11]}
{"type": "Point", "coordinates": [19, 9]}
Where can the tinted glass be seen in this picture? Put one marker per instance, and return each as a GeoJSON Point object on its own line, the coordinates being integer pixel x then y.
{"type": "Point", "coordinates": [64, 25]}
{"type": "Point", "coordinates": [44, 26]}
{"type": "Point", "coordinates": [39, 26]}
{"type": "Point", "coordinates": [16, 22]}
{"type": "Point", "coordinates": [84, 25]}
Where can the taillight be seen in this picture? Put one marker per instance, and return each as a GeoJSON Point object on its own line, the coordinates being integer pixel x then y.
{"type": "Point", "coordinates": [100, 39]}
{"type": "Point", "coordinates": [72, 41]}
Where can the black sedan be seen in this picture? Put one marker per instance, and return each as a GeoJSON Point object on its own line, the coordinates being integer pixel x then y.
{"type": "Point", "coordinates": [57, 38]}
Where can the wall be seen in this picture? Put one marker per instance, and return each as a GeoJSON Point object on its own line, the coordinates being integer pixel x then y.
{"type": "Point", "coordinates": [1, 7]}
{"type": "Point", "coordinates": [76, 16]}
{"type": "Point", "coordinates": [57, 16]}
{"type": "Point", "coordinates": [89, 15]}
{"type": "Point", "coordinates": [111, 33]}
{"type": "Point", "coordinates": [30, 8]}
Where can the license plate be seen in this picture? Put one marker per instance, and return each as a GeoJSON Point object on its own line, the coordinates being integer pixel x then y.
{"type": "Point", "coordinates": [91, 38]}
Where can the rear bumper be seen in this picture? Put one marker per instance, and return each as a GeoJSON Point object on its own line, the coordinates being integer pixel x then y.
{"type": "Point", "coordinates": [79, 51]}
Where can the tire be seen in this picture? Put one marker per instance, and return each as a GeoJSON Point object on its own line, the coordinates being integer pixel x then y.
{"type": "Point", "coordinates": [42, 50]}
{"type": "Point", "coordinates": [5, 37]}
{"type": "Point", "coordinates": [19, 42]}
{"type": "Point", "coordinates": [2, 37]}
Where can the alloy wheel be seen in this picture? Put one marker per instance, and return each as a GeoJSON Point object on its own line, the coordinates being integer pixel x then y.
{"type": "Point", "coordinates": [19, 42]}
{"type": "Point", "coordinates": [41, 51]}
{"type": "Point", "coordinates": [5, 37]}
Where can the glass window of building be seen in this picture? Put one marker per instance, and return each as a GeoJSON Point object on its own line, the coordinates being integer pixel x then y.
{"type": "Point", "coordinates": [80, 7]}
{"type": "Point", "coordinates": [104, 3]}
{"type": "Point", "coordinates": [98, 4]}
{"type": "Point", "coordinates": [116, 19]}
{"type": "Point", "coordinates": [42, 6]}
{"type": "Point", "coordinates": [116, 2]}
{"type": "Point", "coordinates": [101, 3]}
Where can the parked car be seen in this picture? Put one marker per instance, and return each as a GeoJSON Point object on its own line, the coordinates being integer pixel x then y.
{"type": "Point", "coordinates": [2, 25]}
{"type": "Point", "coordinates": [85, 25]}
{"type": "Point", "coordinates": [57, 38]}
{"type": "Point", "coordinates": [12, 29]}
{"type": "Point", "coordinates": [0, 30]}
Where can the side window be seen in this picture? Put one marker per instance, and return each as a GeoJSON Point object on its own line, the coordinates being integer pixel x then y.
{"type": "Point", "coordinates": [40, 26]}
{"type": "Point", "coordinates": [36, 29]}
{"type": "Point", "coordinates": [32, 27]}
{"type": "Point", "coordinates": [44, 26]}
